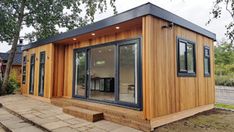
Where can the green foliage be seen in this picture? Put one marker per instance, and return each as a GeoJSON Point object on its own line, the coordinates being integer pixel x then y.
{"type": "Point", "coordinates": [47, 16]}
{"type": "Point", "coordinates": [225, 106]}
{"type": "Point", "coordinates": [12, 83]}
{"type": "Point", "coordinates": [224, 80]}
{"type": "Point", "coordinates": [216, 13]}
{"type": "Point", "coordinates": [12, 86]}
{"type": "Point", "coordinates": [224, 54]}
{"type": "Point", "coordinates": [224, 64]}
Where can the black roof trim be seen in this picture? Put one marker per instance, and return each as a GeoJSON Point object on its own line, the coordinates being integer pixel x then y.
{"type": "Point", "coordinates": [145, 9]}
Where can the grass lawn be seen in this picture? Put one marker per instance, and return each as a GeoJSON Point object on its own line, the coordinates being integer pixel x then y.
{"type": "Point", "coordinates": [215, 120]}
{"type": "Point", "coordinates": [225, 106]}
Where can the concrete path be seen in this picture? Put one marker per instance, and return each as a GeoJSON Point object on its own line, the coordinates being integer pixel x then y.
{"type": "Point", "coordinates": [52, 117]}
{"type": "Point", "coordinates": [15, 124]}
{"type": "Point", "coordinates": [225, 95]}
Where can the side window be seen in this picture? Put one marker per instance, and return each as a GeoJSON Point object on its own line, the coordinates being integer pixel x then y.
{"type": "Point", "coordinates": [186, 58]}
{"type": "Point", "coordinates": [206, 61]}
{"type": "Point", "coordinates": [24, 70]}
{"type": "Point", "coordinates": [41, 74]}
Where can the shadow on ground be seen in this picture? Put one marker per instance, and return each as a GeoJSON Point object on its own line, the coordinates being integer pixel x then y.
{"type": "Point", "coordinates": [215, 120]}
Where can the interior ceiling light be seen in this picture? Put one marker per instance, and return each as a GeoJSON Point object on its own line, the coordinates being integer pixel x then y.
{"type": "Point", "coordinates": [93, 34]}
{"type": "Point", "coordinates": [74, 39]}
{"type": "Point", "coordinates": [117, 27]}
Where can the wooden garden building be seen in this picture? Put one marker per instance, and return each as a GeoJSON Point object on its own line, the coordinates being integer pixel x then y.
{"type": "Point", "coordinates": [143, 68]}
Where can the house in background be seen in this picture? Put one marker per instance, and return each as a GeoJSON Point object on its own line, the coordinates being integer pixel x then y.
{"type": "Point", "coordinates": [143, 68]}
{"type": "Point", "coordinates": [16, 66]}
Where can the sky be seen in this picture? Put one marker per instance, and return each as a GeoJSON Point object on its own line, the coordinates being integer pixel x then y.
{"type": "Point", "coordinates": [196, 11]}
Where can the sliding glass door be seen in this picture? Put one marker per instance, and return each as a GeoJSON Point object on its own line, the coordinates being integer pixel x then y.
{"type": "Point", "coordinates": [109, 73]}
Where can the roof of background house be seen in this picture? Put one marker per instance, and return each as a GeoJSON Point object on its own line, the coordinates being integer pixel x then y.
{"type": "Point", "coordinates": [18, 50]}
{"type": "Point", "coordinates": [17, 58]}
{"type": "Point", "coordinates": [143, 10]}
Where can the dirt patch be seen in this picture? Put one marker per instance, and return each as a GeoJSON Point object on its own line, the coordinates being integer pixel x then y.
{"type": "Point", "coordinates": [211, 121]}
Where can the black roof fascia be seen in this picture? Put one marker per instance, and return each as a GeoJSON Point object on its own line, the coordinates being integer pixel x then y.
{"type": "Point", "coordinates": [145, 9]}
{"type": "Point", "coordinates": [166, 15]}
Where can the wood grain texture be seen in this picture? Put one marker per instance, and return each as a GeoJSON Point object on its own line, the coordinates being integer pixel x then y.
{"type": "Point", "coordinates": [59, 54]}
{"type": "Point", "coordinates": [48, 85]}
{"type": "Point", "coordinates": [127, 33]}
{"type": "Point", "coordinates": [164, 92]}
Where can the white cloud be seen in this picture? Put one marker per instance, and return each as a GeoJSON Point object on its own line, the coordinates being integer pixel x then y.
{"type": "Point", "coordinates": [196, 11]}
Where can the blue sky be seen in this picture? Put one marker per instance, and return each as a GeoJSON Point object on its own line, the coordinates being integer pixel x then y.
{"type": "Point", "coordinates": [196, 11]}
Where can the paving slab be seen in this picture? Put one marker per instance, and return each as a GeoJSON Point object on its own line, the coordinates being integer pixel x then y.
{"type": "Point", "coordinates": [53, 118]}
{"type": "Point", "coordinates": [16, 124]}
{"type": "Point", "coordinates": [55, 125]}
{"type": "Point", "coordinates": [64, 129]}
{"type": "Point", "coordinates": [27, 129]}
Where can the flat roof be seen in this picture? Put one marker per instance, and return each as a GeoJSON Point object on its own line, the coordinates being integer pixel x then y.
{"type": "Point", "coordinates": [142, 10]}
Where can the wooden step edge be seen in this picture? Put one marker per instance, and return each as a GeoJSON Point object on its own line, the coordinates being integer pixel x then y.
{"type": "Point", "coordinates": [85, 114]}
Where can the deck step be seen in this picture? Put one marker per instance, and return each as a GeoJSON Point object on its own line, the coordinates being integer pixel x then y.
{"type": "Point", "coordinates": [85, 114]}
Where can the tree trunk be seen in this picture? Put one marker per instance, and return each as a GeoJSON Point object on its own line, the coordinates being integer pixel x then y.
{"type": "Point", "coordinates": [13, 48]}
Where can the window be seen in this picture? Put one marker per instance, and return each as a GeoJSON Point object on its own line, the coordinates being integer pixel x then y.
{"type": "Point", "coordinates": [41, 74]}
{"type": "Point", "coordinates": [24, 70]}
{"type": "Point", "coordinates": [32, 72]}
{"type": "Point", "coordinates": [206, 61]}
{"type": "Point", "coordinates": [186, 58]}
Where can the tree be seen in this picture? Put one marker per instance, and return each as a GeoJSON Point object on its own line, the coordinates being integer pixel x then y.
{"type": "Point", "coordinates": [224, 54]}
{"type": "Point", "coordinates": [217, 12]}
{"type": "Point", "coordinates": [224, 59]}
{"type": "Point", "coordinates": [45, 17]}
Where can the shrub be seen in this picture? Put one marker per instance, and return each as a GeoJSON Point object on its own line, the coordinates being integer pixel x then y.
{"type": "Point", "coordinates": [12, 86]}
{"type": "Point", "coordinates": [12, 83]}
{"type": "Point", "coordinates": [224, 80]}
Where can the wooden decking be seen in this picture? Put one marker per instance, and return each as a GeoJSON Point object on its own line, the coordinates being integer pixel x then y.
{"type": "Point", "coordinates": [123, 116]}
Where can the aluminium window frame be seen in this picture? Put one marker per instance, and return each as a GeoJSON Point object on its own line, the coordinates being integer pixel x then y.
{"type": "Point", "coordinates": [116, 102]}
{"type": "Point", "coordinates": [40, 67]}
{"type": "Point", "coordinates": [24, 67]}
{"type": "Point", "coordinates": [185, 73]}
{"type": "Point", "coordinates": [207, 57]}
{"type": "Point", "coordinates": [30, 81]}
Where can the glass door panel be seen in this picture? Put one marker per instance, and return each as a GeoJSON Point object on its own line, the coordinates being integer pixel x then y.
{"type": "Point", "coordinates": [128, 73]}
{"type": "Point", "coordinates": [102, 73]}
{"type": "Point", "coordinates": [80, 74]}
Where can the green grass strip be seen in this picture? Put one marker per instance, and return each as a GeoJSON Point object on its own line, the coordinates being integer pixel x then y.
{"type": "Point", "coordinates": [225, 106]}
